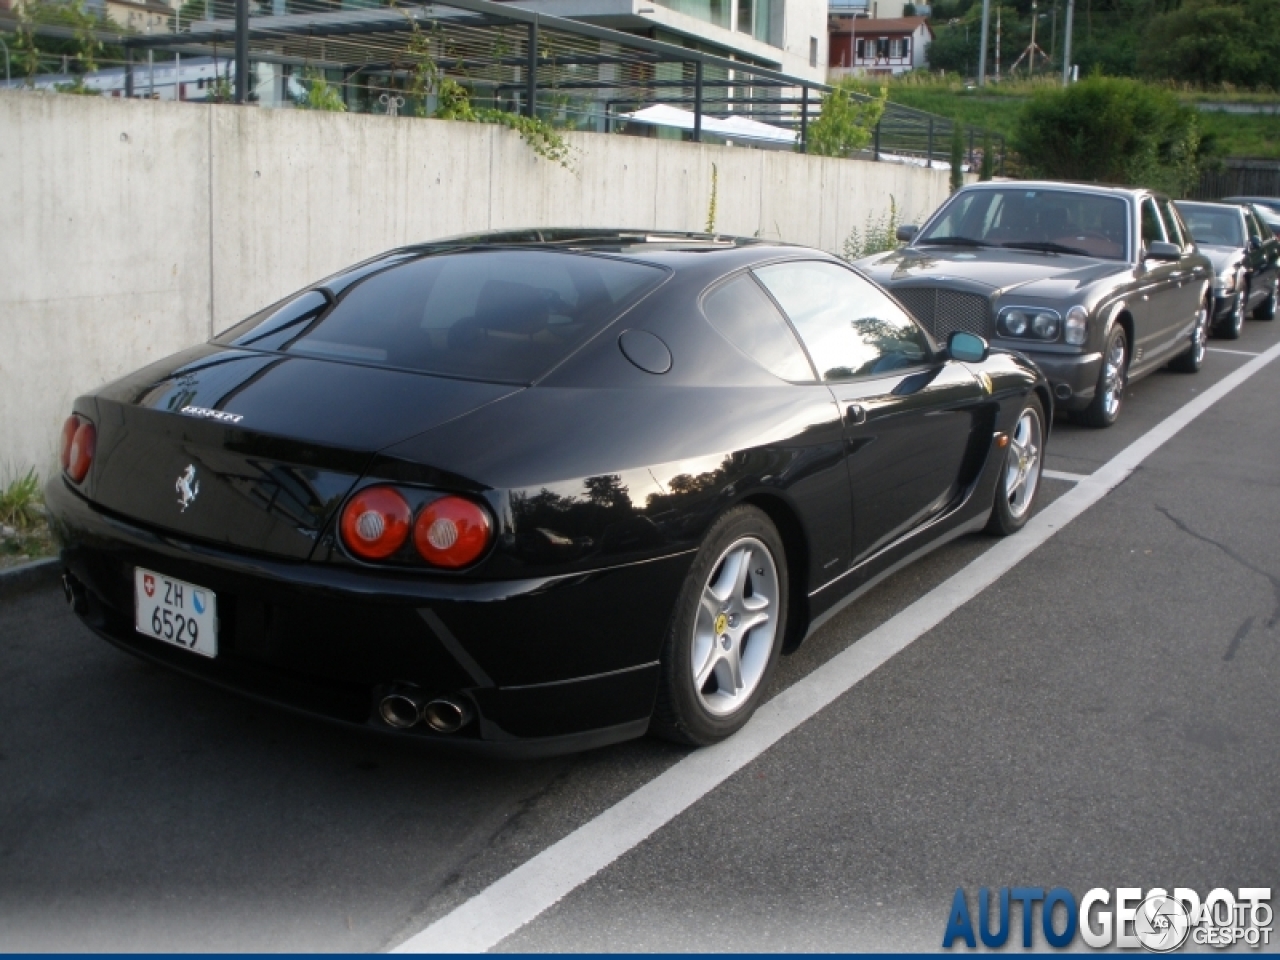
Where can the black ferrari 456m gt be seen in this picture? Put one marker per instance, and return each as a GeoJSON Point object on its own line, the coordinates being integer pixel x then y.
{"type": "Point", "coordinates": [536, 491]}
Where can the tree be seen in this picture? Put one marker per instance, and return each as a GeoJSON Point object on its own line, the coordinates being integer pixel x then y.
{"type": "Point", "coordinates": [954, 47]}
{"type": "Point", "coordinates": [848, 117]}
{"type": "Point", "coordinates": [1111, 130]}
{"type": "Point", "coordinates": [1209, 42]}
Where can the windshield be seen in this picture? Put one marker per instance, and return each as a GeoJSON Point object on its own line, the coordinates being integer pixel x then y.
{"type": "Point", "coordinates": [1051, 221]}
{"type": "Point", "coordinates": [1213, 224]}
{"type": "Point", "coordinates": [503, 315]}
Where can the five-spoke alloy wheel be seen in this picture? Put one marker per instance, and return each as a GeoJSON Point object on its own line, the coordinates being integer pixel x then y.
{"type": "Point", "coordinates": [727, 630]}
{"type": "Point", "coordinates": [1020, 479]}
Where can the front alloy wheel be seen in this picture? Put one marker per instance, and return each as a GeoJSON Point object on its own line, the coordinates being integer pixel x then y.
{"type": "Point", "coordinates": [1109, 393]}
{"type": "Point", "coordinates": [1020, 478]}
{"type": "Point", "coordinates": [1191, 359]}
{"type": "Point", "coordinates": [1267, 309]}
{"type": "Point", "coordinates": [726, 633]}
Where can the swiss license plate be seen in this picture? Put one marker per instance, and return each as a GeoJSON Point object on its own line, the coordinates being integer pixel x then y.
{"type": "Point", "coordinates": [176, 612]}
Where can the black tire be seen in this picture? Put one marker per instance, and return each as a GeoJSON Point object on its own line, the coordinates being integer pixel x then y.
{"type": "Point", "coordinates": [1192, 359]}
{"type": "Point", "coordinates": [1230, 328]}
{"type": "Point", "coordinates": [1020, 473]}
{"type": "Point", "coordinates": [691, 715]}
{"type": "Point", "coordinates": [1266, 310]}
{"type": "Point", "coordinates": [1108, 395]}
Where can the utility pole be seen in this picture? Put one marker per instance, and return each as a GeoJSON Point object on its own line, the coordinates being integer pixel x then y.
{"type": "Point", "coordinates": [998, 10]}
{"type": "Point", "coordinates": [1066, 43]}
{"type": "Point", "coordinates": [982, 44]}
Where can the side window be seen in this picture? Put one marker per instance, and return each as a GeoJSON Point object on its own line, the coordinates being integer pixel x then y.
{"type": "Point", "coordinates": [850, 327]}
{"type": "Point", "coordinates": [1172, 226]}
{"type": "Point", "coordinates": [744, 315]}
{"type": "Point", "coordinates": [1152, 232]}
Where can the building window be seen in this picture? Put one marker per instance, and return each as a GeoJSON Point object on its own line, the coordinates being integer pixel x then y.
{"type": "Point", "coordinates": [744, 16]}
{"type": "Point", "coordinates": [882, 48]}
{"type": "Point", "coordinates": [861, 51]}
{"type": "Point", "coordinates": [813, 51]}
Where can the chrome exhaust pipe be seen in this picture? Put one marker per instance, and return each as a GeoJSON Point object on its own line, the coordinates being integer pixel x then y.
{"type": "Point", "coordinates": [401, 708]}
{"type": "Point", "coordinates": [446, 716]}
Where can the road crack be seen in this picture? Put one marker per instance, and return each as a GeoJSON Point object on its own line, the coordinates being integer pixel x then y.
{"type": "Point", "coordinates": [1269, 577]}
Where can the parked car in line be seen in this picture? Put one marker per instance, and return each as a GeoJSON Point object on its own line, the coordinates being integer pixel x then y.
{"type": "Point", "coordinates": [536, 491]}
{"type": "Point", "coordinates": [1268, 208]}
{"type": "Point", "coordinates": [1097, 285]}
{"type": "Point", "coordinates": [1244, 252]}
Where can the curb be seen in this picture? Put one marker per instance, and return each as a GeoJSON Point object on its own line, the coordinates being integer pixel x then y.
{"type": "Point", "coordinates": [30, 576]}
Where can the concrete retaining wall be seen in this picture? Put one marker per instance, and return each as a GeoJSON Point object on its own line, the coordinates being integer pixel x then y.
{"type": "Point", "coordinates": [132, 229]}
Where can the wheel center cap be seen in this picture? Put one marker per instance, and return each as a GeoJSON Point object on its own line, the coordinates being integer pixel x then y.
{"type": "Point", "coordinates": [722, 623]}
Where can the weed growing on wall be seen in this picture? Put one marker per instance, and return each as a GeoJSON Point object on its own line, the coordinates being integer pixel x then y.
{"type": "Point", "coordinates": [24, 534]}
{"type": "Point", "coordinates": [711, 204]}
{"type": "Point", "coordinates": [879, 234]}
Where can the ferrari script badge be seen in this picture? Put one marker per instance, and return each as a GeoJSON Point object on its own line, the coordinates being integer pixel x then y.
{"type": "Point", "coordinates": [188, 487]}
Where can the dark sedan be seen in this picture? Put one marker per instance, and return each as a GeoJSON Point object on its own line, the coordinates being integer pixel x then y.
{"type": "Point", "coordinates": [1268, 208]}
{"type": "Point", "coordinates": [1244, 252]}
{"type": "Point", "coordinates": [1098, 285]}
{"type": "Point", "coordinates": [536, 492]}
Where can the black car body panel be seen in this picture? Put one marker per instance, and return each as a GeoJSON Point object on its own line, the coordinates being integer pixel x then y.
{"type": "Point", "coordinates": [602, 480]}
{"type": "Point", "coordinates": [1244, 264]}
{"type": "Point", "coordinates": [970, 286]}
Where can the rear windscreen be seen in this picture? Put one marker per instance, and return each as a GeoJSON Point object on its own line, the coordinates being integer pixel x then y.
{"type": "Point", "coordinates": [506, 315]}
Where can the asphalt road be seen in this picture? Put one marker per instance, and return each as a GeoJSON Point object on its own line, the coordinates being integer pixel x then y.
{"type": "Point", "coordinates": [1104, 715]}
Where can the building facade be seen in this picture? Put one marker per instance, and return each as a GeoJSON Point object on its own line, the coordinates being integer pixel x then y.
{"type": "Point", "coordinates": [864, 46]}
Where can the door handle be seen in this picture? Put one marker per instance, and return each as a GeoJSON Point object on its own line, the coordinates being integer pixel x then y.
{"type": "Point", "coordinates": [855, 414]}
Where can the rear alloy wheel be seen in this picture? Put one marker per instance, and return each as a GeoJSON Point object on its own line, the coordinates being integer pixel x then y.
{"type": "Point", "coordinates": [1109, 393]}
{"type": "Point", "coordinates": [1267, 309]}
{"type": "Point", "coordinates": [726, 633]}
{"type": "Point", "coordinates": [1190, 360]}
{"type": "Point", "coordinates": [1020, 478]}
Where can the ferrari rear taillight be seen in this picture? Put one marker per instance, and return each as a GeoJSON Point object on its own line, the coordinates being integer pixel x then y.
{"type": "Point", "coordinates": [79, 440]}
{"type": "Point", "coordinates": [452, 532]}
{"type": "Point", "coordinates": [375, 523]}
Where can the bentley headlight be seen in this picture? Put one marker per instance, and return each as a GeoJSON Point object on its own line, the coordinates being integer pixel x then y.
{"type": "Point", "coordinates": [1030, 323]}
{"type": "Point", "coordinates": [1016, 323]}
{"type": "Point", "coordinates": [1076, 327]}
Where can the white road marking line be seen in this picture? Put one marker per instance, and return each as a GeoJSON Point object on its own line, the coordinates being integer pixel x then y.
{"type": "Point", "coordinates": [495, 913]}
{"type": "Point", "coordinates": [1239, 353]}
{"type": "Point", "coordinates": [1063, 475]}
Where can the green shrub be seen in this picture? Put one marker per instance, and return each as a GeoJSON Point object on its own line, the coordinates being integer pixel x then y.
{"type": "Point", "coordinates": [1110, 130]}
{"type": "Point", "coordinates": [849, 115]}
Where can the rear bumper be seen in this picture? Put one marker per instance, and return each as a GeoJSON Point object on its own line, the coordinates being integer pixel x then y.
{"type": "Point", "coordinates": [549, 665]}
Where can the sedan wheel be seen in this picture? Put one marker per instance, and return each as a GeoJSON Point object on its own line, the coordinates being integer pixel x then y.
{"type": "Point", "coordinates": [1190, 360]}
{"type": "Point", "coordinates": [727, 631]}
{"type": "Point", "coordinates": [1109, 393]}
{"type": "Point", "coordinates": [1231, 327]}
{"type": "Point", "coordinates": [1267, 309]}
{"type": "Point", "coordinates": [1020, 478]}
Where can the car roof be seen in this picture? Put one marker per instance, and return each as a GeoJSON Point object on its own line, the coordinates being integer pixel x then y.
{"type": "Point", "coordinates": [677, 249]}
{"type": "Point", "coordinates": [1067, 185]}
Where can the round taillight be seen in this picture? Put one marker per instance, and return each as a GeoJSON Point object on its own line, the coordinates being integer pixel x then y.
{"type": "Point", "coordinates": [69, 428]}
{"type": "Point", "coordinates": [375, 523]}
{"type": "Point", "coordinates": [452, 532]}
{"type": "Point", "coordinates": [80, 453]}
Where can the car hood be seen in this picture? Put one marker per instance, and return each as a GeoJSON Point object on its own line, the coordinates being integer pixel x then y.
{"type": "Point", "coordinates": [1223, 258]}
{"type": "Point", "coordinates": [999, 270]}
{"type": "Point", "coordinates": [256, 450]}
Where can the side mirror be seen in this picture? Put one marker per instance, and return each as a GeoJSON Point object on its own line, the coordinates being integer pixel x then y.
{"type": "Point", "coordinates": [1255, 243]}
{"type": "Point", "coordinates": [907, 232]}
{"type": "Point", "coordinates": [1160, 250]}
{"type": "Point", "coordinates": [967, 347]}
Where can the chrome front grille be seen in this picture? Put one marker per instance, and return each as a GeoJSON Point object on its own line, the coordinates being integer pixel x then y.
{"type": "Point", "coordinates": [943, 311]}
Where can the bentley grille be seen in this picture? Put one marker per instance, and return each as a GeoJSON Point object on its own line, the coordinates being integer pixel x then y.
{"type": "Point", "coordinates": [944, 311]}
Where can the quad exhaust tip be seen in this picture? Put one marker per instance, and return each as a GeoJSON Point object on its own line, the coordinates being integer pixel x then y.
{"type": "Point", "coordinates": [444, 715]}
{"type": "Point", "coordinates": [405, 707]}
